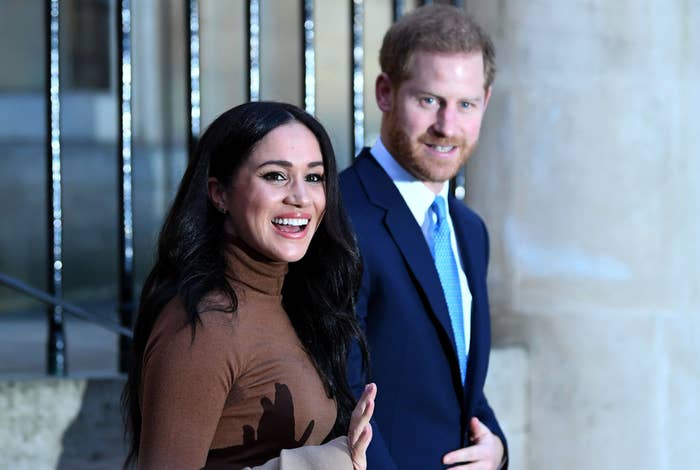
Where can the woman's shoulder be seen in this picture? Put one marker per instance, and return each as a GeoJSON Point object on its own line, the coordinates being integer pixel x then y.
{"type": "Point", "coordinates": [214, 308]}
{"type": "Point", "coordinates": [214, 322]}
{"type": "Point", "coordinates": [175, 335]}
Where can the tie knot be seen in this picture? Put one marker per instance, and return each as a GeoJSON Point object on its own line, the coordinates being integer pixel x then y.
{"type": "Point", "coordinates": [438, 206]}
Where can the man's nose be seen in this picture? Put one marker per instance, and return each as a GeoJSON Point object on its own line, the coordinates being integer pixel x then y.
{"type": "Point", "coordinates": [446, 122]}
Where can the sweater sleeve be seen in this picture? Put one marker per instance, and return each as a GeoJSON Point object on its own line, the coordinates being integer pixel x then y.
{"type": "Point", "coordinates": [185, 383]}
{"type": "Point", "coordinates": [334, 454]}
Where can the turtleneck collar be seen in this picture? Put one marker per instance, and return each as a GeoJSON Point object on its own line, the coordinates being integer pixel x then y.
{"type": "Point", "coordinates": [251, 269]}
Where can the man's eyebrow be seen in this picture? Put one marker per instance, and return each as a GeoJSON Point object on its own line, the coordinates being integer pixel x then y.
{"type": "Point", "coordinates": [420, 91]}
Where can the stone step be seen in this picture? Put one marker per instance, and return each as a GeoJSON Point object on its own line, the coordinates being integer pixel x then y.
{"type": "Point", "coordinates": [71, 424]}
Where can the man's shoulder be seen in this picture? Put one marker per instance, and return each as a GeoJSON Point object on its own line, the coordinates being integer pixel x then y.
{"type": "Point", "coordinates": [350, 184]}
{"type": "Point", "coordinates": [463, 214]}
{"type": "Point", "coordinates": [348, 176]}
{"type": "Point", "coordinates": [461, 209]}
{"type": "Point", "coordinates": [352, 179]}
{"type": "Point", "coordinates": [357, 163]}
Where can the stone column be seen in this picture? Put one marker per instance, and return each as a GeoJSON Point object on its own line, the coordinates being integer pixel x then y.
{"type": "Point", "coordinates": [588, 176]}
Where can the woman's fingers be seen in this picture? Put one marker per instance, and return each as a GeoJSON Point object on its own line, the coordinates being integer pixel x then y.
{"type": "Point", "coordinates": [360, 431]}
{"type": "Point", "coordinates": [362, 413]}
{"type": "Point", "coordinates": [365, 435]}
{"type": "Point", "coordinates": [358, 452]}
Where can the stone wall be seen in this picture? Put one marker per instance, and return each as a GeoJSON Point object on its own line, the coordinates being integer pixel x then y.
{"type": "Point", "coordinates": [588, 176]}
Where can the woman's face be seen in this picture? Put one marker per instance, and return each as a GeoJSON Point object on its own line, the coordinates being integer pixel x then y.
{"type": "Point", "coordinates": [277, 197]}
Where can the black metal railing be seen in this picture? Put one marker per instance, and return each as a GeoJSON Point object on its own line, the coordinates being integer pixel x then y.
{"type": "Point", "coordinates": [56, 360]}
{"type": "Point", "coordinates": [193, 95]}
{"type": "Point", "coordinates": [125, 186]}
{"type": "Point", "coordinates": [66, 307]}
{"type": "Point", "coordinates": [56, 351]}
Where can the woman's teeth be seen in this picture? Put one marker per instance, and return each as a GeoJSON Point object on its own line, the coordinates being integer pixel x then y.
{"type": "Point", "coordinates": [295, 222]}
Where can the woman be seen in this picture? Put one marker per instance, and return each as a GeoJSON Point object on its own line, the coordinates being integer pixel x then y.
{"type": "Point", "coordinates": [246, 319]}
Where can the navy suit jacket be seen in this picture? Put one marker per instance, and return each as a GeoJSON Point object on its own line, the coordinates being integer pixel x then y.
{"type": "Point", "coordinates": [422, 410]}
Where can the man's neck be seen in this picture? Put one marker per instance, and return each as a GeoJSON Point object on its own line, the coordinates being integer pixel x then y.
{"type": "Point", "coordinates": [435, 186]}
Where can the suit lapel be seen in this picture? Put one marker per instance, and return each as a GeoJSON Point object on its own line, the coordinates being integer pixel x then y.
{"type": "Point", "coordinates": [464, 246]}
{"type": "Point", "coordinates": [407, 236]}
{"type": "Point", "coordinates": [468, 257]}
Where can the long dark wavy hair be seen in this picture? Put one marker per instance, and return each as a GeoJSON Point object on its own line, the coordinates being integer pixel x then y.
{"type": "Point", "coordinates": [319, 290]}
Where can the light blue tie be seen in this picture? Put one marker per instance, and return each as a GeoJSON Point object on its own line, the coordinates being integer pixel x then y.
{"type": "Point", "coordinates": [449, 278]}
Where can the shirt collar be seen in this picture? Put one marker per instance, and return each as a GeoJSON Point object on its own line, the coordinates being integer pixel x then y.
{"type": "Point", "coordinates": [416, 194]}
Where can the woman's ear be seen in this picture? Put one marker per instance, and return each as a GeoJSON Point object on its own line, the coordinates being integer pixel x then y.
{"type": "Point", "coordinates": [217, 194]}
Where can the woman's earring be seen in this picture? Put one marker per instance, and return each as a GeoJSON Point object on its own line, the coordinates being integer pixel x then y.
{"type": "Point", "coordinates": [223, 210]}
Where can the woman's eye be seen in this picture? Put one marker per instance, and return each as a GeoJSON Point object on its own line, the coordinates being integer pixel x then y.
{"type": "Point", "coordinates": [315, 178]}
{"type": "Point", "coordinates": [274, 176]}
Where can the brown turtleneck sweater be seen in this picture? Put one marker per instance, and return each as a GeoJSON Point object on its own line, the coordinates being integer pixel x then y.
{"type": "Point", "coordinates": [238, 394]}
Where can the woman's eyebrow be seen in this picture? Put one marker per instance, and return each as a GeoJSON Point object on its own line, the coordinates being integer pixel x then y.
{"type": "Point", "coordinates": [288, 164]}
{"type": "Point", "coordinates": [284, 163]}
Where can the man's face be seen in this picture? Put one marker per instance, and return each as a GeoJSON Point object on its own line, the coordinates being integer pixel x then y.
{"type": "Point", "coordinates": [432, 120]}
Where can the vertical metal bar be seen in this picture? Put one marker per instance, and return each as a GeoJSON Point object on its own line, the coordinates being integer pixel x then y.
{"type": "Point", "coordinates": [459, 182]}
{"type": "Point", "coordinates": [309, 57]}
{"type": "Point", "coordinates": [398, 9]}
{"type": "Point", "coordinates": [193, 95]}
{"type": "Point", "coordinates": [56, 347]}
{"type": "Point", "coordinates": [358, 113]}
{"type": "Point", "coordinates": [253, 10]}
{"type": "Point", "coordinates": [126, 239]}
{"type": "Point", "coordinates": [459, 185]}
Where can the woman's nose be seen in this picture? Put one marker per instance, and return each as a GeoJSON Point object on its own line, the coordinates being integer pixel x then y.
{"type": "Point", "coordinates": [298, 194]}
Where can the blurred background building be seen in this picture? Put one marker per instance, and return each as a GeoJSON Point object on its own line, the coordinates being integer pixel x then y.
{"type": "Point", "coordinates": [587, 174]}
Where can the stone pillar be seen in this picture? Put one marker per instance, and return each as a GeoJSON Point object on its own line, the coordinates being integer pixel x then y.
{"type": "Point", "coordinates": [588, 176]}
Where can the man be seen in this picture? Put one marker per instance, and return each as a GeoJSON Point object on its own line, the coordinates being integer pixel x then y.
{"type": "Point", "coordinates": [423, 300]}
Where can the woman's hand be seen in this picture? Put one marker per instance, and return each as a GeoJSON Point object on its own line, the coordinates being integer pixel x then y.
{"type": "Point", "coordinates": [360, 431]}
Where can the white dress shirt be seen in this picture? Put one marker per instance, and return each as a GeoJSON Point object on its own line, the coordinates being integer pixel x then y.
{"type": "Point", "coordinates": [419, 198]}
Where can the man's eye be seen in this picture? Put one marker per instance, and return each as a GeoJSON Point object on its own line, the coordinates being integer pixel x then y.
{"type": "Point", "coordinates": [315, 178]}
{"type": "Point", "coordinates": [274, 176]}
{"type": "Point", "coordinates": [466, 105]}
{"type": "Point", "coordinates": [428, 100]}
